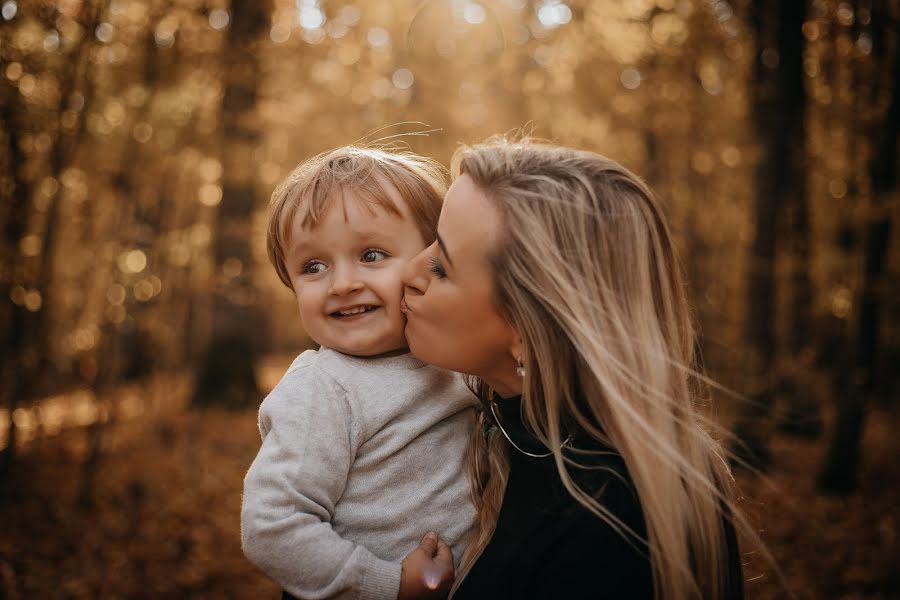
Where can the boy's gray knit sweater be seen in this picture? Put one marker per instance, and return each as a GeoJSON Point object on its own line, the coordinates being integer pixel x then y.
{"type": "Point", "coordinates": [360, 458]}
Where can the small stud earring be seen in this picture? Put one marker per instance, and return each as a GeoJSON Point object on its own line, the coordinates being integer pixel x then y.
{"type": "Point", "coordinates": [520, 370]}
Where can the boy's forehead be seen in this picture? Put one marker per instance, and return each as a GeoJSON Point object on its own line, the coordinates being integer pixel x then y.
{"type": "Point", "coordinates": [357, 215]}
{"type": "Point", "coordinates": [351, 206]}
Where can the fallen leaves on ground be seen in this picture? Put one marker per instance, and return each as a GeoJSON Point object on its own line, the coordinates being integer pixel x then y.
{"type": "Point", "coordinates": [165, 516]}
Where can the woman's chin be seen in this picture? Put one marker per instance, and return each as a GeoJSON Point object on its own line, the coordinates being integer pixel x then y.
{"type": "Point", "coordinates": [421, 349]}
{"type": "Point", "coordinates": [414, 347]}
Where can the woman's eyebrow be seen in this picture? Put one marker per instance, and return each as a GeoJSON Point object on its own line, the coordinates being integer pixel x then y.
{"type": "Point", "coordinates": [444, 249]}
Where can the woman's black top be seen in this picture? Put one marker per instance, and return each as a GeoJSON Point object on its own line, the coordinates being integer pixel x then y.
{"type": "Point", "coordinates": [547, 545]}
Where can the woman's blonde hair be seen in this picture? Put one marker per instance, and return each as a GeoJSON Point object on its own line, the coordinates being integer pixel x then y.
{"type": "Point", "coordinates": [586, 272]}
{"type": "Point", "coordinates": [369, 174]}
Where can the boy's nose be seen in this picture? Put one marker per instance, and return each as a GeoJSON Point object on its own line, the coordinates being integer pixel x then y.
{"type": "Point", "coordinates": [415, 274]}
{"type": "Point", "coordinates": [345, 282]}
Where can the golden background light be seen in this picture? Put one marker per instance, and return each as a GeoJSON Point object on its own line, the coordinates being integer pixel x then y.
{"type": "Point", "coordinates": [141, 139]}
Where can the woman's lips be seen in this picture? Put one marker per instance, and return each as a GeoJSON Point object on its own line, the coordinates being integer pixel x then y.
{"type": "Point", "coordinates": [404, 307]}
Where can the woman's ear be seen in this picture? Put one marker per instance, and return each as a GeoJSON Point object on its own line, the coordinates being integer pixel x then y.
{"type": "Point", "coordinates": [516, 347]}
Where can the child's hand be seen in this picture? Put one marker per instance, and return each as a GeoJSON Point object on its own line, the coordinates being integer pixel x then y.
{"type": "Point", "coordinates": [427, 571]}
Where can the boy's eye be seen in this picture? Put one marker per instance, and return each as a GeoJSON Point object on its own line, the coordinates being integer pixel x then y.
{"type": "Point", "coordinates": [313, 267]}
{"type": "Point", "coordinates": [370, 256]}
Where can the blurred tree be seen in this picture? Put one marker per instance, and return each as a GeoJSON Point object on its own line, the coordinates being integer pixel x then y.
{"type": "Point", "coordinates": [29, 265]}
{"type": "Point", "coordinates": [857, 373]}
{"type": "Point", "coordinates": [14, 315]}
{"type": "Point", "coordinates": [802, 412]}
{"type": "Point", "coordinates": [226, 375]}
{"type": "Point", "coordinates": [121, 352]}
{"type": "Point", "coordinates": [778, 103]}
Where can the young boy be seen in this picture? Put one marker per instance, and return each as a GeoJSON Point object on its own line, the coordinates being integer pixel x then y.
{"type": "Point", "coordinates": [363, 446]}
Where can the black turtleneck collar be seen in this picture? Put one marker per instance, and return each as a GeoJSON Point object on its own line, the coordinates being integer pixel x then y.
{"type": "Point", "coordinates": [509, 411]}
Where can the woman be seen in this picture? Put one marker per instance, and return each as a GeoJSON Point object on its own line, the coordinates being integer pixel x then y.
{"type": "Point", "coordinates": [554, 282]}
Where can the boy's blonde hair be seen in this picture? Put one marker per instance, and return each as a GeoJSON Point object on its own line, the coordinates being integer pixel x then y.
{"type": "Point", "coordinates": [372, 175]}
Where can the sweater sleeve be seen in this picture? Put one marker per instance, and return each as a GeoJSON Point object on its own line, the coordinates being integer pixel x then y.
{"type": "Point", "coordinates": [290, 492]}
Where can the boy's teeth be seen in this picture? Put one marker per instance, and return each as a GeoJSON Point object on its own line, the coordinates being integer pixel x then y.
{"type": "Point", "coordinates": [354, 311]}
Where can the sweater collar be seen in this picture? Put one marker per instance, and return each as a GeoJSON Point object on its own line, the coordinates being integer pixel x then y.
{"type": "Point", "coordinates": [404, 361]}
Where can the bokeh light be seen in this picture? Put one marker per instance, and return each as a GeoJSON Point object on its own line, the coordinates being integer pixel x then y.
{"type": "Point", "coordinates": [141, 142]}
{"type": "Point", "coordinates": [9, 10]}
{"type": "Point", "coordinates": [454, 35]}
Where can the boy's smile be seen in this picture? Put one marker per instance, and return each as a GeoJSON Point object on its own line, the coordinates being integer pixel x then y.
{"type": "Point", "coordinates": [356, 311]}
{"type": "Point", "coordinates": [346, 274]}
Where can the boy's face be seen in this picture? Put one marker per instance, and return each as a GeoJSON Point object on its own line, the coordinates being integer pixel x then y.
{"type": "Point", "coordinates": [346, 275]}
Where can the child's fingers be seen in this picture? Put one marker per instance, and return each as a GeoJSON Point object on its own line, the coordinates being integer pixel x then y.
{"type": "Point", "coordinates": [433, 577]}
{"type": "Point", "coordinates": [444, 556]}
{"type": "Point", "coordinates": [429, 544]}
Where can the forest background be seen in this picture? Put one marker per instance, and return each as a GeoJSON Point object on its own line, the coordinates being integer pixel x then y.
{"type": "Point", "coordinates": [141, 323]}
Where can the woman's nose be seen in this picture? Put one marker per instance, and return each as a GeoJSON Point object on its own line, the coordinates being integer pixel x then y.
{"type": "Point", "coordinates": [415, 273]}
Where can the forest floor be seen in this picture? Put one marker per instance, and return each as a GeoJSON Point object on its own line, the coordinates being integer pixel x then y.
{"type": "Point", "coordinates": [165, 510]}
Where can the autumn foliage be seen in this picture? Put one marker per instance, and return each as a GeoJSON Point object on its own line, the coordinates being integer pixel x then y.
{"type": "Point", "coordinates": [141, 323]}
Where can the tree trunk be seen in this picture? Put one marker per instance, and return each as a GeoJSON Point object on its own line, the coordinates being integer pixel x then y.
{"type": "Point", "coordinates": [14, 314]}
{"type": "Point", "coordinates": [857, 377]}
{"type": "Point", "coordinates": [226, 376]}
{"type": "Point", "coordinates": [802, 412]}
{"type": "Point", "coordinates": [26, 343]}
{"type": "Point", "coordinates": [775, 107]}
{"type": "Point", "coordinates": [60, 156]}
